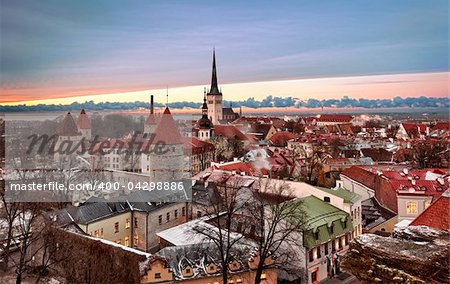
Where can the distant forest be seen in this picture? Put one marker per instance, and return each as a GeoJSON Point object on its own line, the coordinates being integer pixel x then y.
{"type": "Point", "coordinates": [269, 101]}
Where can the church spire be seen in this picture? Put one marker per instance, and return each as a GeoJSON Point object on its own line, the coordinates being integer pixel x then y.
{"type": "Point", "coordinates": [214, 86]}
{"type": "Point", "coordinates": [205, 106]}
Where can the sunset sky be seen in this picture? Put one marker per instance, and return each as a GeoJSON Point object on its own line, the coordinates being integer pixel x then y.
{"type": "Point", "coordinates": [65, 51]}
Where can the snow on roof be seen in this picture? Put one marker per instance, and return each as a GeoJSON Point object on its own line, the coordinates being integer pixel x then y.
{"type": "Point", "coordinates": [403, 224]}
{"type": "Point", "coordinates": [185, 234]}
{"type": "Point", "coordinates": [111, 243]}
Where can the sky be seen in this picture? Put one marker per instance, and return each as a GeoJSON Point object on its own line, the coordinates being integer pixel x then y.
{"type": "Point", "coordinates": [64, 51]}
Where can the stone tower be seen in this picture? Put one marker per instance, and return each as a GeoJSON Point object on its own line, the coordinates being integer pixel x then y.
{"type": "Point", "coordinates": [166, 159]}
{"type": "Point", "coordinates": [84, 125]}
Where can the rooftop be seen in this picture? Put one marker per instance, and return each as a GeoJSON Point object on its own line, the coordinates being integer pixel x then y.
{"type": "Point", "coordinates": [348, 196]}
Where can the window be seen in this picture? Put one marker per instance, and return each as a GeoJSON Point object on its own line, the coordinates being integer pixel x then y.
{"type": "Point", "coordinates": [127, 223]}
{"type": "Point", "coordinates": [116, 227]}
{"type": "Point", "coordinates": [176, 214]}
{"type": "Point", "coordinates": [167, 217]}
{"type": "Point", "coordinates": [332, 229]}
{"type": "Point", "coordinates": [316, 235]}
{"type": "Point", "coordinates": [160, 219]}
{"type": "Point", "coordinates": [252, 230]}
{"type": "Point", "coordinates": [341, 243]}
{"type": "Point", "coordinates": [319, 253]}
{"type": "Point", "coordinates": [239, 227]}
{"type": "Point", "coordinates": [311, 255]}
{"type": "Point", "coordinates": [263, 276]}
{"type": "Point", "coordinates": [127, 241]}
{"type": "Point", "coordinates": [199, 214]}
{"type": "Point", "coordinates": [314, 276]}
{"type": "Point", "coordinates": [326, 248]}
{"type": "Point", "coordinates": [157, 275]}
{"type": "Point", "coordinates": [411, 207]}
{"type": "Point", "coordinates": [101, 233]}
{"type": "Point", "coordinates": [427, 204]}
{"type": "Point", "coordinates": [188, 270]}
{"type": "Point", "coordinates": [344, 224]}
{"type": "Point", "coordinates": [136, 240]}
{"type": "Point", "coordinates": [327, 199]}
{"type": "Point", "coordinates": [135, 222]}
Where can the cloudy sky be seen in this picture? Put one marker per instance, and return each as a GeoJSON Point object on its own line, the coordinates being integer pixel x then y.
{"type": "Point", "coordinates": [60, 51]}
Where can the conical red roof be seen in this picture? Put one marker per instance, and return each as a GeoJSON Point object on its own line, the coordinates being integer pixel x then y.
{"type": "Point", "coordinates": [83, 121]}
{"type": "Point", "coordinates": [167, 130]}
{"type": "Point", "coordinates": [67, 127]}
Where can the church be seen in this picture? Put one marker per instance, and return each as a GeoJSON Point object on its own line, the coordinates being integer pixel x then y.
{"type": "Point", "coordinates": [213, 112]}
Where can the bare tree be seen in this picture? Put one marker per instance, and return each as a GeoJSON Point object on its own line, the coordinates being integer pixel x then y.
{"type": "Point", "coordinates": [280, 221]}
{"type": "Point", "coordinates": [27, 236]}
{"type": "Point", "coordinates": [225, 149]}
{"type": "Point", "coordinates": [220, 214]}
{"type": "Point", "coordinates": [10, 213]}
{"type": "Point", "coordinates": [312, 161]}
{"type": "Point", "coordinates": [431, 153]}
{"type": "Point", "coordinates": [263, 212]}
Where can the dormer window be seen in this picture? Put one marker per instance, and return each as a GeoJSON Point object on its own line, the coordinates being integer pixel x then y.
{"type": "Point", "coordinates": [344, 223]}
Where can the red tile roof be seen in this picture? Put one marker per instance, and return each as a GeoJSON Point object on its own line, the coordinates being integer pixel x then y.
{"type": "Point", "coordinates": [335, 118]}
{"type": "Point", "coordinates": [441, 125]}
{"type": "Point", "coordinates": [414, 129]}
{"type": "Point", "coordinates": [167, 130]}
{"type": "Point", "coordinates": [361, 175]}
{"type": "Point", "coordinates": [377, 154]}
{"type": "Point", "coordinates": [280, 138]}
{"type": "Point", "coordinates": [229, 131]}
{"type": "Point", "coordinates": [437, 215]}
{"type": "Point", "coordinates": [68, 127]}
{"type": "Point", "coordinates": [238, 167]}
{"type": "Point", "coordinates": [194, 145]}
{"type": "Point", "coordinates": [83, 121]}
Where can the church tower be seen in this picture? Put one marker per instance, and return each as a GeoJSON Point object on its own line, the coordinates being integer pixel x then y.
{"type": "Point", "coordinates": [214, 96]}
{"type": "Point", "coordinates": [205, 126]}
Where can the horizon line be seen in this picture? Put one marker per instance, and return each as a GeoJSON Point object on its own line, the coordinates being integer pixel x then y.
{"type": "Point", "coordinates": [119, 95]}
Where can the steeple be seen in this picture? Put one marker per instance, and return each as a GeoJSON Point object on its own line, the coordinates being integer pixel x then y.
{"type": "Point", "coordinates": [205, 106]}
{"type": "Point", "coordinates": [214, 86]}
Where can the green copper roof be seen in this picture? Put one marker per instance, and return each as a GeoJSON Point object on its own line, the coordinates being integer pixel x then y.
{"type": "Point", "coordinates": [320, 217]}
{"type": "Point", "coordinates": [348, 196]}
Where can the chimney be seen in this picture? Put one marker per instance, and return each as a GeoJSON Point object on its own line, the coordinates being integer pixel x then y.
{"type": "Point", "coordinates": [151, 104]}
